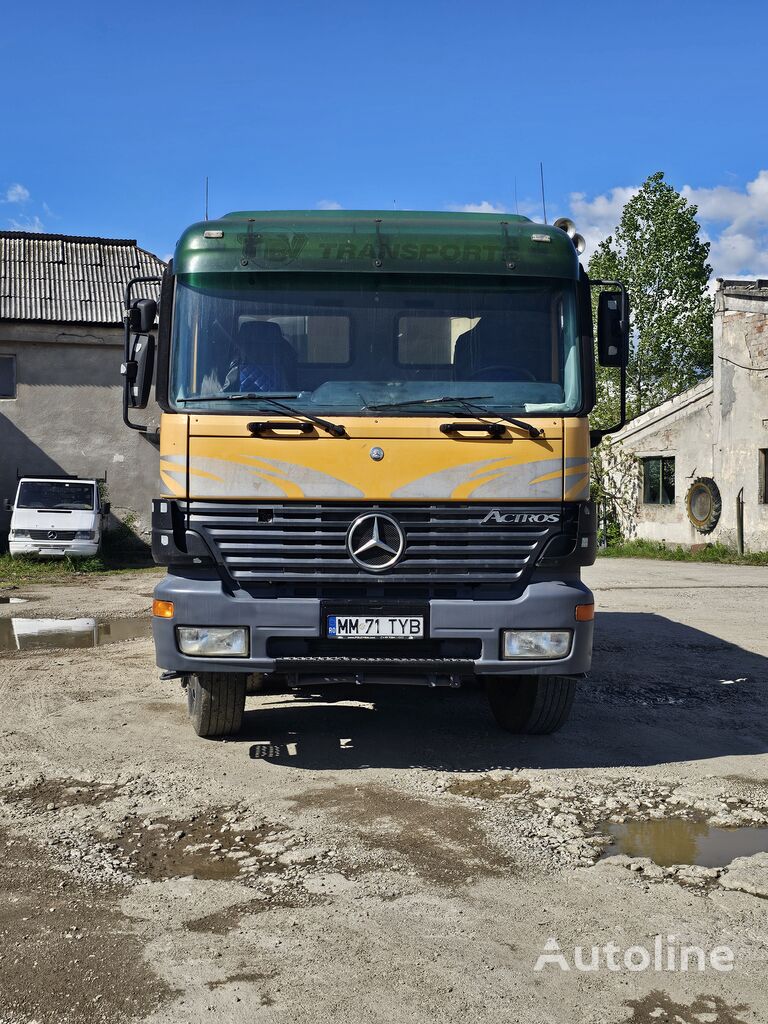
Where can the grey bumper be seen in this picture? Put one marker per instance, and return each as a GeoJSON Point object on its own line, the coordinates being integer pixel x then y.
{"type": "Point", "coordinates": [205, 602]}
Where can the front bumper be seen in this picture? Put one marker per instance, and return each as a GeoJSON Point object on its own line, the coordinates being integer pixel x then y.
{"type": "Point", "coordinates": [48, 549]}
{"type": "Point", "coordinates": [204, 602]}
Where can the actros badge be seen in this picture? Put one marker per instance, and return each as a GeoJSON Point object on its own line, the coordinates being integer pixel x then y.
{"type": "Point", "coordinates": [519, 518]}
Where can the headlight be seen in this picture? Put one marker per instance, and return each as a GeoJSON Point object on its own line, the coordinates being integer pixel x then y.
{"type": "Point", "coordinates": [84, 535]}
{"type": "Point", "coordinates": [213, 641]}
{"type": "Point", "coordinates": [20, 534]}
{"type": "Point", "coordinates": [536, 644]}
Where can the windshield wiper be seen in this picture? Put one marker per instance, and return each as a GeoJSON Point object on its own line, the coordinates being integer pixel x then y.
{"type": "Point", "coordinates": [467, 403]}
{"type": "Point", "coordinates": [335, 429]}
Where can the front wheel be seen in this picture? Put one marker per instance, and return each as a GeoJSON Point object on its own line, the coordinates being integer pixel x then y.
{"type": "Point", "coordinates": [534, 705]}
{"type": "Point", "coordinates": [216, 703]}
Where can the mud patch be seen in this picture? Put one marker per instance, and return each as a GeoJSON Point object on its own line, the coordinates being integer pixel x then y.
{"type": "Point", "coordinates": [488, 788]}
{"type": "Point", "coordinates": [668, 841]}
{"type": "Point", "coordinates": [67, 954]}
{"type": "Point", "coordinates": [245, 978]}
{"type": "Point", "coordinates": [446, 847]}
{"type": "Point", "coordinates": [660, 1008]}
{"type": "Point", "coordinates": [209, 846]}
{"type": "Point", "coordinates": [53, 794]}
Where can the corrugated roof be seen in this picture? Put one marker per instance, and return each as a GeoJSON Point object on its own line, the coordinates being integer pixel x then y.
{"type": "Point", "coordinates": [68, 278]}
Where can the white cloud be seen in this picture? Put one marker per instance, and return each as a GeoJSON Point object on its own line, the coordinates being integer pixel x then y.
{"type": "Point", "coordinates": [597, 218]}
{"type": "Point", "coordinates": [328, 204]}
{"type": "Point", "coordinates": [481, 207]}
{"type": "Point", "coordinates": [734, 221]}
{"type": "Point", "coordinates": [16, 194]}
{"type": "Point", "coordinates": [26, 224]}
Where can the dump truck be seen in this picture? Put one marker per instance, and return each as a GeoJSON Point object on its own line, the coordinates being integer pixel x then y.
{"type": "Point", "coordinates": [374, 454]}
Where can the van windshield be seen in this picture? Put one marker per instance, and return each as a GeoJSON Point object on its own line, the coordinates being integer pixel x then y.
{"type": "Point", "coordinates": [56, 494]}
{"type": "Point", "coordinates": [341, 343]}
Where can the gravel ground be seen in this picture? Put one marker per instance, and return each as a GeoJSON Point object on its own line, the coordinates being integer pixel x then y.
{"type": "Point", "coordinates": [397, 860]}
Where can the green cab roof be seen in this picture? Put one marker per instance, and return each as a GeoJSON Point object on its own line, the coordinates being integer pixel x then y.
{"type": "Point", "coordinates": [376, 241]}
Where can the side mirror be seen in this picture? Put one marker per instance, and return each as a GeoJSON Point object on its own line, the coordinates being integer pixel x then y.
{"type": "Point", "coordinates": [8, 505]}
{"type": "Point", "coordinates": [105, 508]}
{"type": "Point", "coordinates": [139, 369]}
{"type": "Point", "coordinates": [612, 329]}
{"type": "Point", "coordinates": [142, 316]}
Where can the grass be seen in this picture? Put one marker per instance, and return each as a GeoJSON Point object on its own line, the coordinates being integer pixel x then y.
{"type": "Point", "coordinates": [717, 553]}
{"type": "Point", "coordinates": [18, 571]}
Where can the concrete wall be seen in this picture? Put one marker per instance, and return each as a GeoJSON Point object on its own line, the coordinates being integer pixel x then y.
{"type": "Point", "coordinates": [67, 418]}
{"type": "Point", "coordinates": [716, 430]}
{"type": "Point", "coordinates": [681, 428]}
{"type": "Point", "coordinates": [741, 413]}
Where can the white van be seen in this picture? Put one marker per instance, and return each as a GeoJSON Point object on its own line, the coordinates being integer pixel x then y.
{"type": "Point", "coordinates": [57, 517]}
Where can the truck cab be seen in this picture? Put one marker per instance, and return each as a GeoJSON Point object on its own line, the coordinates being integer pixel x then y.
{"type": "Point", "coordinates": [374, 455]}
{"type": "Point", "coordinates": [56, 517]}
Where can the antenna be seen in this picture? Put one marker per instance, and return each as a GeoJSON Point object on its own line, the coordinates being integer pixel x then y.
{"type": "Point", "coordinates": [543, 200]}
{"type": "Point", "coordinates": [206, 197]}
{"type": "Point", "coordinates": [517, 208]}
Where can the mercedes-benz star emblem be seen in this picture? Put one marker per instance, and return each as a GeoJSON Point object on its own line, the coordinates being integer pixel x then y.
{"type": "Point", "coordinates": [377, 454]}
{"type": "Point", "coordinates": [375, 542]}
{"type": "Point", "coordinates": [51, 535]}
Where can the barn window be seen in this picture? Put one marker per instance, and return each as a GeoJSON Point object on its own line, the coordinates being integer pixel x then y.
{"type": "Point", "coordinates": [659, 481]}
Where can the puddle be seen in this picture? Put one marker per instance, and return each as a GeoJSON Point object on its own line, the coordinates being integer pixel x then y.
{"type": "Point", "coordinates": [20, 634]}
{"type": "Point", "coordinates": [676, 841]}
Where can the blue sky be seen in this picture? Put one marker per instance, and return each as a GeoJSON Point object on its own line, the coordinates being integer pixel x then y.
{"type": "Point", "coordinates": [112, 116]}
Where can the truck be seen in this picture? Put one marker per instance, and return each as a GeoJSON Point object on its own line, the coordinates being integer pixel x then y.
{"type": "Point", "coordinates": [56, 517]}
{"type": "Point", "coordinates": [374, 454]}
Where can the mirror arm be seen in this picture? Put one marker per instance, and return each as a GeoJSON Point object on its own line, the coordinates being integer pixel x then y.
{"type": "Point", "coordinates": [129, 365]}
{"type": "Point", "coordinates": [597, 434]}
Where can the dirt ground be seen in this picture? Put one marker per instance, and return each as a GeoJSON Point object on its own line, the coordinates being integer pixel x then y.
{"type": "Point", "coordinates": [398, 860]}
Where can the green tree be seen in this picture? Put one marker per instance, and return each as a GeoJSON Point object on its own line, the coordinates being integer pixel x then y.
{"type": "Point", "coordinates": [656, 251]}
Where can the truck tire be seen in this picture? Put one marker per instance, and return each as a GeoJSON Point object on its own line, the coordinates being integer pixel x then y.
{"type": "Point", "coordinates": [216, 703]}
{"type": "Point", "coordinates": [534, 705]}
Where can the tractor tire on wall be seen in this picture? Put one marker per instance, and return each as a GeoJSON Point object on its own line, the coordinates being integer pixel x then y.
{"type": "Point", "coordinates": [216, 703]}
{"type": "Point", "coordinates": [703, 504]}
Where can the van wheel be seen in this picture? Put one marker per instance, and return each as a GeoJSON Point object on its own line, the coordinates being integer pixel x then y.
{"type": "Point", "coordinates": [216, 703]}
{"type": "Point", "coordinates": [530, 704]}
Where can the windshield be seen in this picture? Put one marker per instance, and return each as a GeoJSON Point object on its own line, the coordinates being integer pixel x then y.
{"type": "Point", "coordinates": [61, 494]}
{"type": "Point", "coordinates": [346, 343]}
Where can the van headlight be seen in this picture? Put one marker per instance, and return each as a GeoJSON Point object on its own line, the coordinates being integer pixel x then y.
{"type": "Point", "coordinates": [84, 535]}
{"type": "Point", "coordinates": [20, 534]}
{"type": "Point", "coordinates": [535, 644]}
{"type": "Point", "coordinates": [213, 641]}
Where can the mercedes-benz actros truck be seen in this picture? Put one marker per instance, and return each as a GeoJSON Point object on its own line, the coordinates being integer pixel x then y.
{"type": "Point", "coordinates": [374, 455]}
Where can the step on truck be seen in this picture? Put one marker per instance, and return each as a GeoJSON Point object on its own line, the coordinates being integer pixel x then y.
{"type": "Point", "coordinates": [374, 455]}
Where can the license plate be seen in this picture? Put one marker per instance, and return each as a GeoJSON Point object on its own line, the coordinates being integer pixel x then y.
{"type": "Point", "coordinates": [361, 627]}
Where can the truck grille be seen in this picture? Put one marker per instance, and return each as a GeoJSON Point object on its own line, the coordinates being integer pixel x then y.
{"type": "Point", "coordinates": [305, 541]}
{"type": "Point", "coordinates": [52, 534]}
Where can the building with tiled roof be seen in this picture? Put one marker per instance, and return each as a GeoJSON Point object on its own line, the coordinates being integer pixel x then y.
{"type": "Point", "coordinates": [61, 345]}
